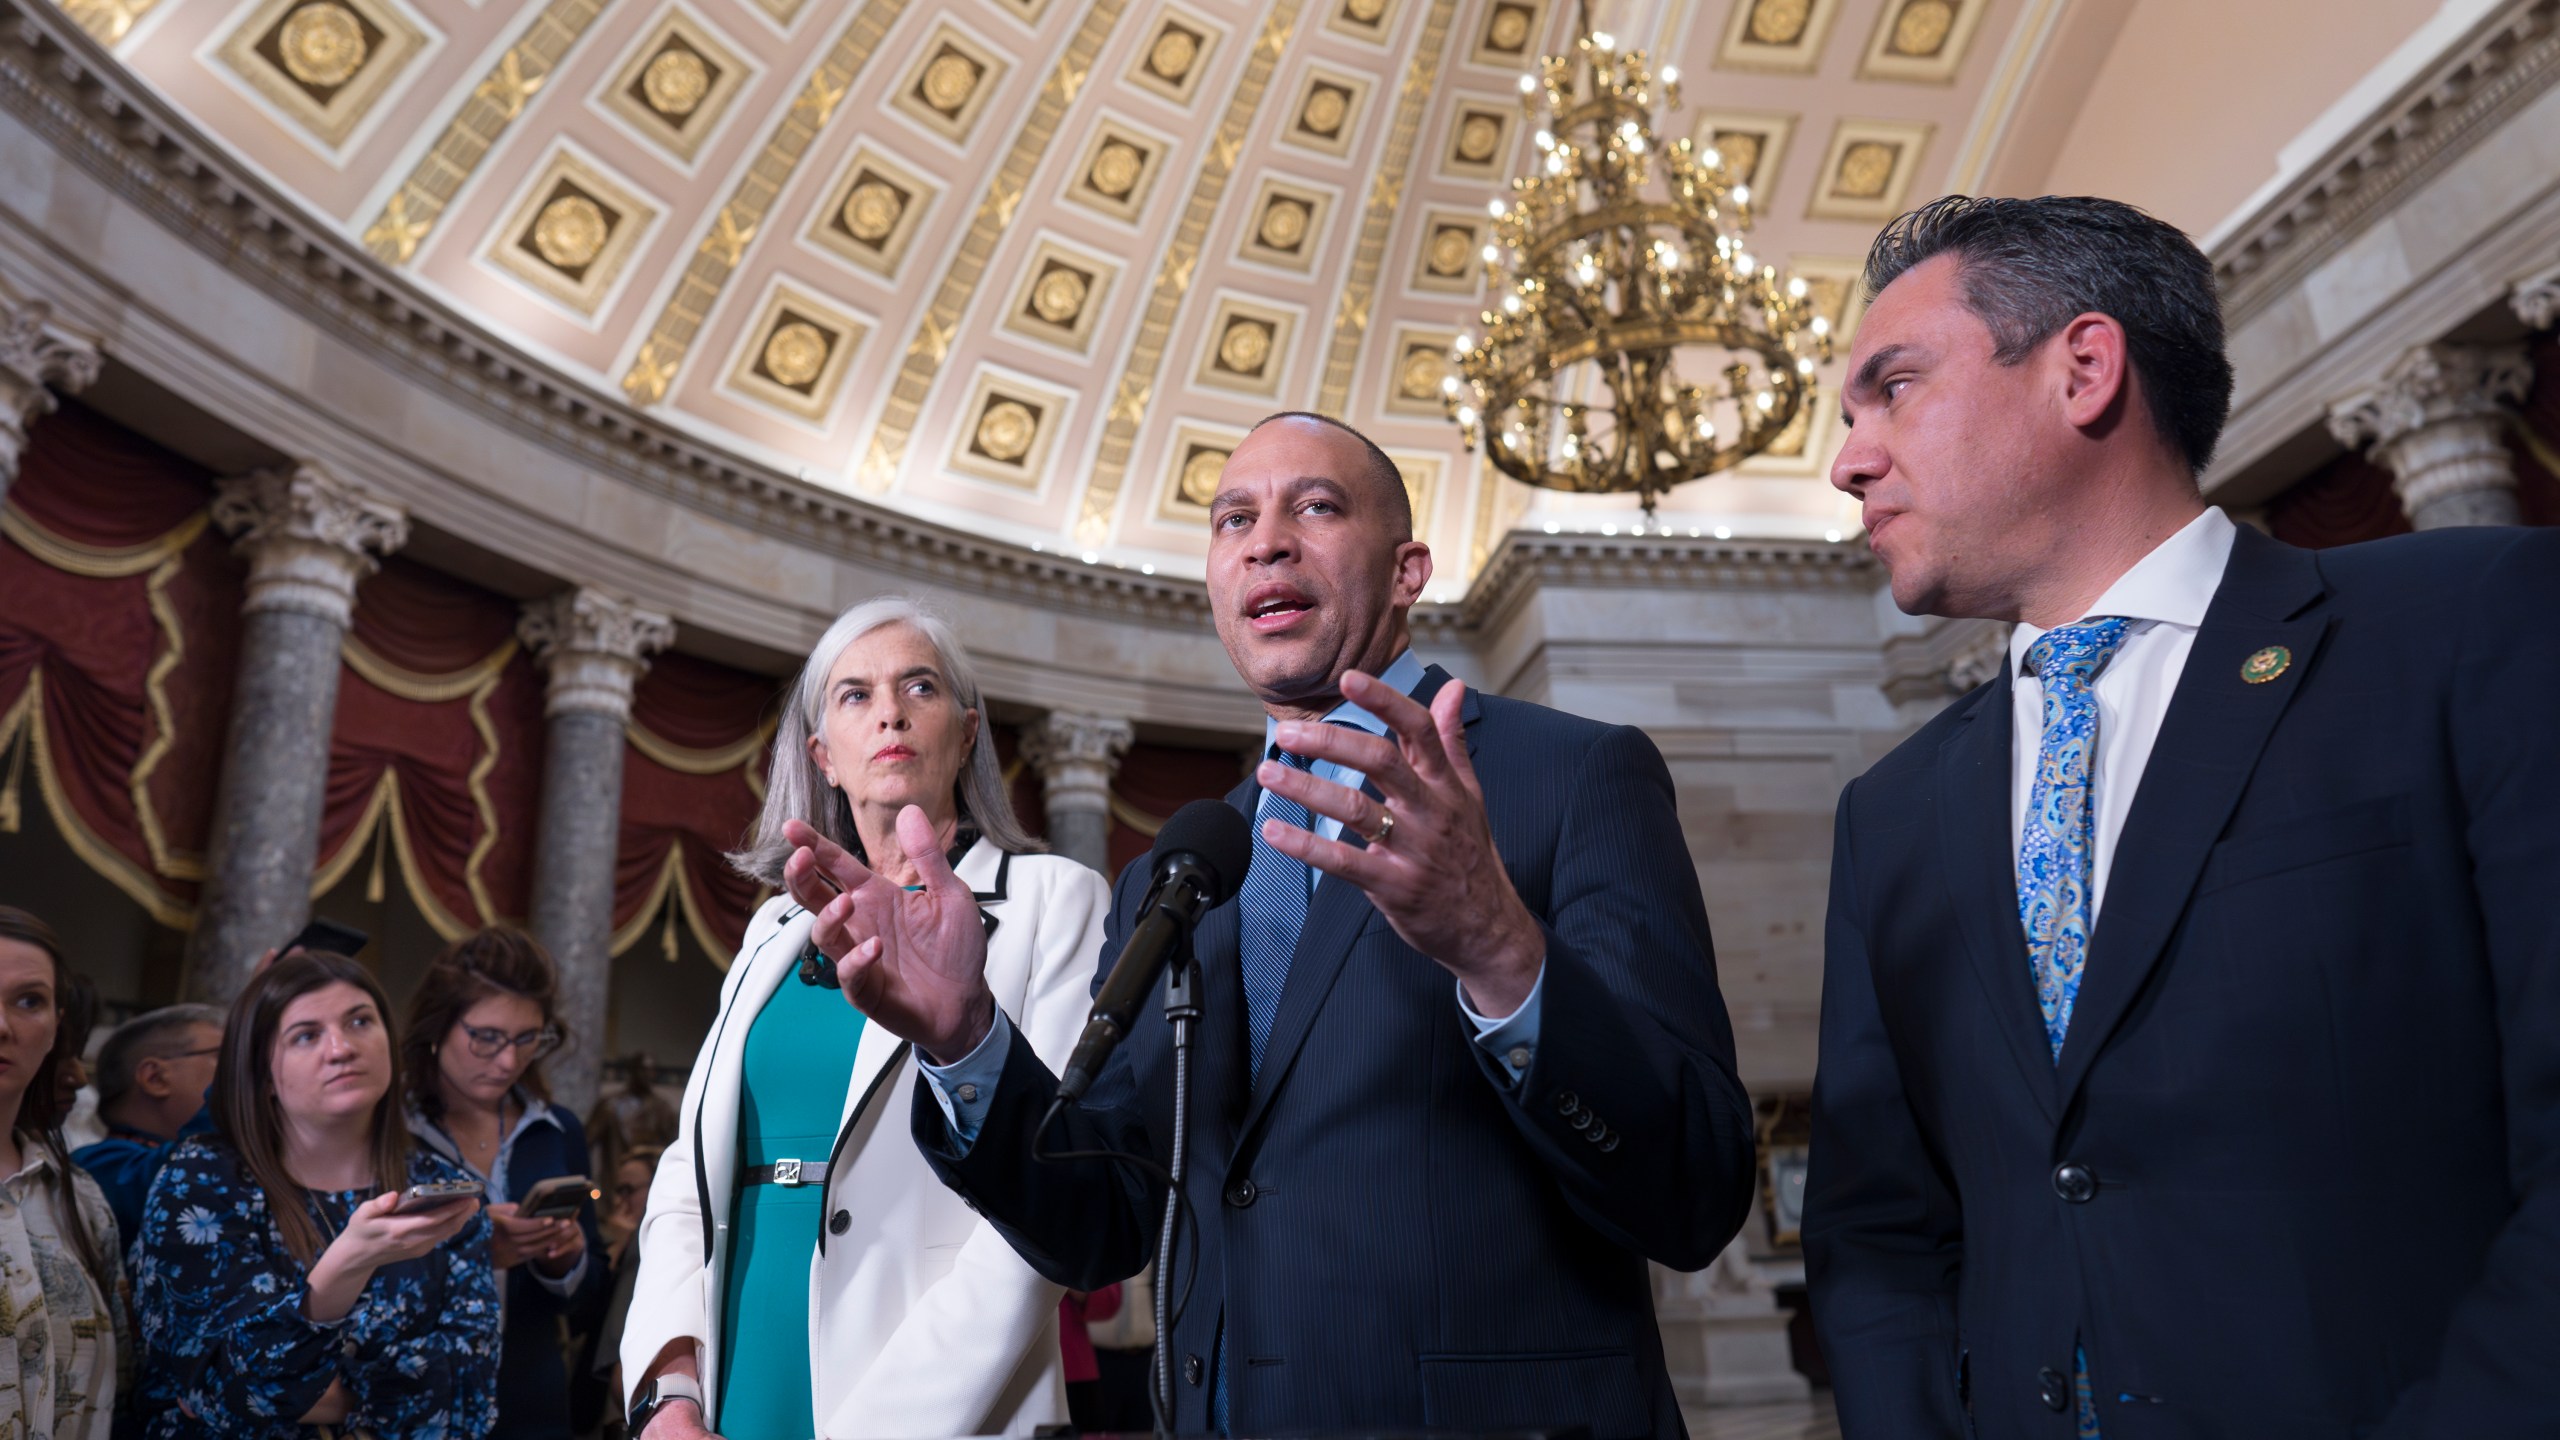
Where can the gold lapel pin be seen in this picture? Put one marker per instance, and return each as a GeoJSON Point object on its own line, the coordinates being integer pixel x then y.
{"type": "Point", "coordinates": [2266, 665]}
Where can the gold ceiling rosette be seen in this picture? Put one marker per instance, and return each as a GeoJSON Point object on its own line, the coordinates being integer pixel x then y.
{"type": "Point", "coordinates": [1635, 342]}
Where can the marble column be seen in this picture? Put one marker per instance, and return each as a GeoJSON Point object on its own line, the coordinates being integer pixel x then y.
{"type": "Point", "coordinates": [308, 538]}
{"type": "Point", "coordinates": [594, 646]}
{"type": "Point", "coordinates": [36, 358]}
{"type": "Point", "coordinates": [2436, 421]}
{"type": "Point", "coordinates": [1076, 756]}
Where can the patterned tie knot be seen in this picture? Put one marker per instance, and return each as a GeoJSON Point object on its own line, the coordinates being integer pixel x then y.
{"type": "Point", "coordinates": [2071, 656]}
{"type": "Point", "coordinates": [1294, 762]}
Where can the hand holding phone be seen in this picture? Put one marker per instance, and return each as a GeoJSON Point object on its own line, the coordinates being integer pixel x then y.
{"type": "Point", "coordinates": [557, 1198]}
{"type": "Point", "coordinates": [435, 1194]}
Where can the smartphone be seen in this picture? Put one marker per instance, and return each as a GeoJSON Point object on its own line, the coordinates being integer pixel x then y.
{"type": "Point", "coordinates": [557, 1198]}
{"type": "Point", "coordinates": [436, 1193]}
{"type": "Point", "coordinates": [327, 935]}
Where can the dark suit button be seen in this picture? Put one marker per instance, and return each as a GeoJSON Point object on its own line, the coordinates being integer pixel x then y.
{"type": "Point", "coordinates": [839, 1222]}
{"type": "Point", "coordinates": [1192, 1368]}
{"type": "Point", "coordinates": [1241, 1194]}
{"type": "Point", "coordinates": [1567, 1102]}
{"type": "Point", "coordinates": [2051, 1388]}
{"type": "Point", "coordinates": [2074, 1182]}
{"type": "Point", "coordinates": [1598, 1133]}
{"type": "Point", "coordinates": [1585, 1120]}
{"type": "Point", "coordinates": [1609, 1144]}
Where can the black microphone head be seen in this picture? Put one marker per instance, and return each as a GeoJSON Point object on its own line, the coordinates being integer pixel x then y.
{"type": "Point", "coordinates": [1214, 833]}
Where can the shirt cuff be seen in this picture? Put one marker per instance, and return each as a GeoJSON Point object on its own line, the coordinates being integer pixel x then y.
{"type": "Point", "coordinates": [561, 1285]}
{"type": "Point", "coordinates": [1512, 1041]}
{"type": "Point", "coordinates": [966, 1088]}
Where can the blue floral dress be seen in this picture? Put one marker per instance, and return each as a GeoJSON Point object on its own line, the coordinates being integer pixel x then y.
{"type": "Point", "coordinates": [223, 1330]}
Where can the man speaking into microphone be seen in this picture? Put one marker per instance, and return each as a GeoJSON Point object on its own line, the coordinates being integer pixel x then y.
{"type": "Point", "coordinates": [1464, 1068]}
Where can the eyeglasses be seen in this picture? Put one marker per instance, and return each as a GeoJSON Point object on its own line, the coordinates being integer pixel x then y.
{"type": "Point", "coordinates": [196, 1054]}
{"type": "Point", "coordinates": [486, 1043]}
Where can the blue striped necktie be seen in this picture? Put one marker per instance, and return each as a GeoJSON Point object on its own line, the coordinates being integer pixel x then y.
{"type": "Point", "coordinates": [1271, 909]}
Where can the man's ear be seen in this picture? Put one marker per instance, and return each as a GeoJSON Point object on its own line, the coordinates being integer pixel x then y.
{"type": "Point", "coordinates": [2095, 369]}
{"type": "Point", "coordinates": [1412, 573]}
{"type": "Point", "coordinates": [151, 1077]}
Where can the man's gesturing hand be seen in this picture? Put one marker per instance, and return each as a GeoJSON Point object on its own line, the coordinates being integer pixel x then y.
{"type": "Point", "coordinates": [913, 961]}
{"type": "Point", "coordinates": [1433, 873]}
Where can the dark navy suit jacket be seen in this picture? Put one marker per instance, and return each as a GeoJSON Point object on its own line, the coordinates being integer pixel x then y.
{"type": "Point", "coordinates": [1395, 1235]}
{"type": "Point", "coordinates": [2313, 1075]}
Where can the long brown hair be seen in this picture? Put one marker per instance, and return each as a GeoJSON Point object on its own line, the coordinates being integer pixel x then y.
{"type": "Point", "coordinates": [495, 961]}
{"type": "Point", "coordinates": [36, 1111]}
{"type": "Point", "coordinates": [245, 1109]}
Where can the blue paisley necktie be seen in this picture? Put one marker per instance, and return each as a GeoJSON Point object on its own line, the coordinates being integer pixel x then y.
{"type": "Point", "coordinates": [2057, 853]}
{"type": "Point", "coordinates": [1271, 909]}
{"type": "Point", "coordinates": [2057, 857]}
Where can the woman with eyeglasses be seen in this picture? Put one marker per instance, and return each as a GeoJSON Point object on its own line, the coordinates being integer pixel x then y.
{"type": "Point", "coordinates": [479, 1025]}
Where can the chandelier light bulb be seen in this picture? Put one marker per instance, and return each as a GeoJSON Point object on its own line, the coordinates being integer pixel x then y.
{"type": "Point", "coordinates": [1744, 265]}
{"type": "Point", "coordinates": [1724, 532]}
{"type": "Point", "coordinates": [1511, 304]}
{"type": "Point", "coordinates": [1711, 157]}
{"type": "Point", "coordinates": [1448, 384]}
{"type": "Point", "coordinates": [1741, 194]}
{"type": "Point", "coordinates": [1555, 163]}
{"type": "Point", "coordinates": [1821, 325]}
{"type": "Point", "coordinates": [1496, 208]}
{"type": "Point", "coordinates": [1603, 40]}
{"type": "Point", "coordinates": [1796, 288]}
{"type": "Point", "coordinates": [1467, 416]}
{"type": "Point", "coordinates": [1544, 139]}
{"type": "Point", "coordinates": [1765, 401]}
{"type": "Point", "coordinates": [1804, 366]}
{"type": "Point", "coordinates": [1528, 84]}
{"type": "Point", "coordinates": [1492, 254]}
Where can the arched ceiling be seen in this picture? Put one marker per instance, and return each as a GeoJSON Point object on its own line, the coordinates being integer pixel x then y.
{"type": "Point", "coordinates": [1024, 265]}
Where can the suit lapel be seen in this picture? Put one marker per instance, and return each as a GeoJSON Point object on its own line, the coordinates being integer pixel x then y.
{"type": "Point", "coordinates": [1974, 784]}
{"type": "Point", "coordinates": [2209, 744]}
{"type": "Point", "coordinates": [1335, 917]}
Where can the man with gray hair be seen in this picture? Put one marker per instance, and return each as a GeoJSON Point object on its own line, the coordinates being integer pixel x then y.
{"type": "Point", "coordinates": [152, 1078]}
{"type": "Point", "coordinates": [2191, 1004]}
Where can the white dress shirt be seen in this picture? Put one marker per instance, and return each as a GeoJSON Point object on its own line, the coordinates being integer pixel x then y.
{"type": "Point", "coordinates": [2165, 595]}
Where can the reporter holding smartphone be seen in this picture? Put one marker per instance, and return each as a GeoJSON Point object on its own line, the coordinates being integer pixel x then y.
{"type": "Point", "coordinates": [281, 1282]}
{"type": "Point", "coordinates": [479, 1024]}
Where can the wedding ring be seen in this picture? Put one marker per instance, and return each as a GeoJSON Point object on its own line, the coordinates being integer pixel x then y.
{"type": "Point", "coordinates": [1386, 827]}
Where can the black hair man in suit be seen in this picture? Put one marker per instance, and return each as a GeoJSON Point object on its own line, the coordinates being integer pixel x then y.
{"type": "Point", "coordinates": [2191, 1017]}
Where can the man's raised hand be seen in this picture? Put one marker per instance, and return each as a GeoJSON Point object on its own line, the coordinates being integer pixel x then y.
{"type": "Point", "coordinates": [1430, 865]}
{"type": "Point", "coordinates": [912, 961]}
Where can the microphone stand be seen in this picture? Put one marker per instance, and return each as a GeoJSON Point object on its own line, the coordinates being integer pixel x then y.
{"type": "Point", "coordinates": [1182, 1009]}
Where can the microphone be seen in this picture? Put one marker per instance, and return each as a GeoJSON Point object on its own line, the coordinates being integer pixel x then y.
{"type": "Point", "coordinates": [1199, 863]}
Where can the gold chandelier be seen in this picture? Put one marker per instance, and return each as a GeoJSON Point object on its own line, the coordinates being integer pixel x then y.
{"type": "Point", "coordinates": [1614, 255]}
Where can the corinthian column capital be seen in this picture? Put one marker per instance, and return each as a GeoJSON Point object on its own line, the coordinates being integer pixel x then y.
{"type": "Point", "coordinates": [308, 537]}
{"type": "Point", "coordinates": [37, 357]}
{"type": "Point", "coordinates": [1076, 755]}
{"type": "Point", "coordinates": [2537, 299]}
{"type": "Point", "coordinates": [2431, 385]}
{"type": "Point", "coordinates": [595, 645]}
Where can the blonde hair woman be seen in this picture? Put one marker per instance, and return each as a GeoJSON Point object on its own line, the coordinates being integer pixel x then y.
{"type": "Point", "coordinates": [792, 1201]}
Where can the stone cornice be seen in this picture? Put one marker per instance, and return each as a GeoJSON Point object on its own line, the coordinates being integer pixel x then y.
{"type": "Point", "coordinates": [1650, 562]}
{"type": "Point", "coordinates": [56, 80]}
{"type": "Point", "coordinates": [2507, 60]}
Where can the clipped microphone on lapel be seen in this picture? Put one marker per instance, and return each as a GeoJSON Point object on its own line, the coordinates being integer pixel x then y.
{"type": "Point", "coordinates": [1198, 864]}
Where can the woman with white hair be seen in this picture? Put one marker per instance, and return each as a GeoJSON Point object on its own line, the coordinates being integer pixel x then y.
{"type": "Point", "coordinates": [793, 1204]}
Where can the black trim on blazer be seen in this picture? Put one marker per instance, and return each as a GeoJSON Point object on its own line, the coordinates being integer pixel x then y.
{"type": "Point", "coordinates": [1004, 885]}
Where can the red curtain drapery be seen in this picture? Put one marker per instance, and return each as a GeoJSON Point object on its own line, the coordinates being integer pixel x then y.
{"type": "Point", "coordinates": [699, 742]}
{"type": "Point", "coordinates": [118, 640]}
{"type": "Point", "coordinates": [435, 755]}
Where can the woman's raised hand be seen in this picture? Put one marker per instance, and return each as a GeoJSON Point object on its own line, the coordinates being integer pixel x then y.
{"type": "Point", "coordinates": [377, 1233]}
{"type": "Point", "coordinates": [912, 961]}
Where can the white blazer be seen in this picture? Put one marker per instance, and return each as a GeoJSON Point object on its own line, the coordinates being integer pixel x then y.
{"type": "Point", "coordinates": [922, 1320]}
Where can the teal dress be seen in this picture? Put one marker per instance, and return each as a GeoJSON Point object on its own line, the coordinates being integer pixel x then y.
{"type": "Point", "coordinates": [798, 1065]}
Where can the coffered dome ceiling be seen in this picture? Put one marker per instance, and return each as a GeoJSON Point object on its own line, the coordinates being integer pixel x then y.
{"type": "Point", "coordinates": [1033, 266]}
